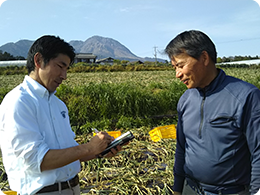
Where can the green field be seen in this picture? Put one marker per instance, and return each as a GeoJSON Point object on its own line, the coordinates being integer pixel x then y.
{"type": "Point", "coordinates": [143, 78]}
{"type": "Point", "coordinates": [125, 101]}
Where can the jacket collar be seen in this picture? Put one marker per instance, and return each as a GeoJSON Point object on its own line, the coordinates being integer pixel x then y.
{"type": "Point", "coordinates": [211, 88]}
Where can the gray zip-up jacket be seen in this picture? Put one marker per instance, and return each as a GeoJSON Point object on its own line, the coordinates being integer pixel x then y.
{"type": "Point", "coordinates": [218, 135]}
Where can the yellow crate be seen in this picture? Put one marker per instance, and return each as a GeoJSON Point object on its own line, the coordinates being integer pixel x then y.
{"type": "Point", "coordinates": [10, 192]}
{"type": "Point", "coordinates": [158, 133]}
{"type": "Point", "coordinates": [114, 134]}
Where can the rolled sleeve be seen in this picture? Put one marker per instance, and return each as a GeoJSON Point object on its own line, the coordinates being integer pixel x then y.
{"type": "Point", "coordinates": [27, 142]}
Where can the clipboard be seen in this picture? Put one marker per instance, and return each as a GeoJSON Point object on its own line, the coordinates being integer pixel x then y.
{"type": "Point", "coordinates": [121, 140]}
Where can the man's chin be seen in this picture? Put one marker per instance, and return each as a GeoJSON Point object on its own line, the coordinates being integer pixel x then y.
{"type": "Point", "coordinates": [52, 90]}
{"type": "Point", "coordinates": [190, 86]}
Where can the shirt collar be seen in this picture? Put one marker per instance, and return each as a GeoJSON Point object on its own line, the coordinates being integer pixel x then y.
{"type": "Point", "coordinates": [37, 87]}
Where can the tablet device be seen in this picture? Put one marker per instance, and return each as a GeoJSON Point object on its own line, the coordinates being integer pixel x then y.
{"type": "Point", "coordinates": [121, 140]}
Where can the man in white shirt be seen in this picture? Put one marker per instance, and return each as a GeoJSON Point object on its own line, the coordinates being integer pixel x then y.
{"type": "Point", "coordinates": [39, 152]}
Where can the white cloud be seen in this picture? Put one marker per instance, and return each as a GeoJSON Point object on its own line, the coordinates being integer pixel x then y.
{"type": "Point", "coordinates": [257, 1]}
{"type": "Point", "coordinates": [124, 10]}
{"type": "Point", "coordinates": [1, 2]}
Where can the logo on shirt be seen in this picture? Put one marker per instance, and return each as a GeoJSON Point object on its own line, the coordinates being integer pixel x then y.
{"type": "Point", "coordinates": [63, 113]}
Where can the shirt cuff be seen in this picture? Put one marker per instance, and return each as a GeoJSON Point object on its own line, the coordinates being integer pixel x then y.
{"type": "Point", "coordinates": [178, 183]}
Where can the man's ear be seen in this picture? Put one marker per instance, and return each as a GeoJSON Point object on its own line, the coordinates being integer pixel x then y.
{"type": "Point", "coordinates": [205, 58]}
{"type": "Point", "coordinates": [38, 60]}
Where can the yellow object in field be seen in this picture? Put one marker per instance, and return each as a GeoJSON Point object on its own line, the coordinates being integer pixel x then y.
{"type": "Point", "coordinates": [10, 192]}
{"type": "Point", "coordinates": [158, 133]}
{"type": "Point", "coordinates": [114, 134]}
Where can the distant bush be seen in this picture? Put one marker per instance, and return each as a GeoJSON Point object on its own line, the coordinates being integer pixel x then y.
{"type": "Point", "coordinates": [147, 66]}
{"type": "Point", "coordinates": [90, 67]}
{"type": "Point", "coordinates": [3, 92]}
{"type": "Point", "coordinates": [117, 105]}
{"type": "Point", "coordinates": [13, 70]}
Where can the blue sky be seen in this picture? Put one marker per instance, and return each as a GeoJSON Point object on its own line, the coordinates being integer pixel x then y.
{"type": "Point", "coordinates": [140, 25]}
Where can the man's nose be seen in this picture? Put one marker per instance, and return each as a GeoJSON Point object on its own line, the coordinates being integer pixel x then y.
{"type": "Point", "coordinates": [64, 75]}
{"type": "Point", "coordinates": [178, 73]}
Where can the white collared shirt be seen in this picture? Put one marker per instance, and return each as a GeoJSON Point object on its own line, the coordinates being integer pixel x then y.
{"type": "Point", "coordinates": [32, 121]}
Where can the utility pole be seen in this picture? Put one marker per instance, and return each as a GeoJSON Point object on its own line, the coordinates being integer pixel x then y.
{"type": "Point", "coordinates": [155, 54]}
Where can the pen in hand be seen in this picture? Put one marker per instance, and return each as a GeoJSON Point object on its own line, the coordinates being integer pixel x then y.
{"type": "Point", "coordinates": [96, 131]}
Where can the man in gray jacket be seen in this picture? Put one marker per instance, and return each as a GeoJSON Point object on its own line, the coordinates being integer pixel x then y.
{"type": "Point", "coordinates": [218, 131]}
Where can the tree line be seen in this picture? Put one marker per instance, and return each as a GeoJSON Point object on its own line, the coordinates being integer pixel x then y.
{"type": "Point", "coordinates": [236, 58]}
{"type": "Point", "coordinates": [5, 56]}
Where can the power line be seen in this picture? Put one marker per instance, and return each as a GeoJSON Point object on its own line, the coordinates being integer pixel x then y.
{"type": "Point", "coordinates": [240, 40]}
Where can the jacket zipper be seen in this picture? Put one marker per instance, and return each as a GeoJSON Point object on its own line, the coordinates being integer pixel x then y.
{"type": "Point", "coordinates": [202, 112]}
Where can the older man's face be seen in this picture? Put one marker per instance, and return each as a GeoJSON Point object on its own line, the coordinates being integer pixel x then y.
{"type": "Point", "coordinates": [190, 71]}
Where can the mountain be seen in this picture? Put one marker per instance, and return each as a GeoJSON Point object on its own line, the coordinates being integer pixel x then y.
{"type": "Point", "coordinates": [104, 47]}
{"type": "Point", "coordinates": [100, 46]}
{"type": "Point", "coordinates": [19, 48]}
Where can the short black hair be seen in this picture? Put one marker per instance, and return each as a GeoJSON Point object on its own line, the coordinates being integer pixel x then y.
{"type": "Point", "coordinates": [49, 47]}
{"type": "Point", "coordinates": [193, 43]}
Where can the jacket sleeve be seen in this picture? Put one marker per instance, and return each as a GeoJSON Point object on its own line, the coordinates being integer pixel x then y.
{"type": "Point", "coordinates": [179, 174]}
{"type": "Point", "coordinates": [252, 132]}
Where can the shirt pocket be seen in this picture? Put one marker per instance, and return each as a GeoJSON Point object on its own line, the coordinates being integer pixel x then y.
{"type": "Point", "coordinates": [224, 121]}
{"type": "Point", "coordinates": [221, 120]}
{"type": "Point", "coordinates": [224, 135]}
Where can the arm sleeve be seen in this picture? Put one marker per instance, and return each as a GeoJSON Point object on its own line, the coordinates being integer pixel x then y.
{"type": "Point", "coordinates": [252, 126]}
{"type": "Point", "coordinates": [26, 140]}
{"type": "Point", "coordinates": [179, 174]}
